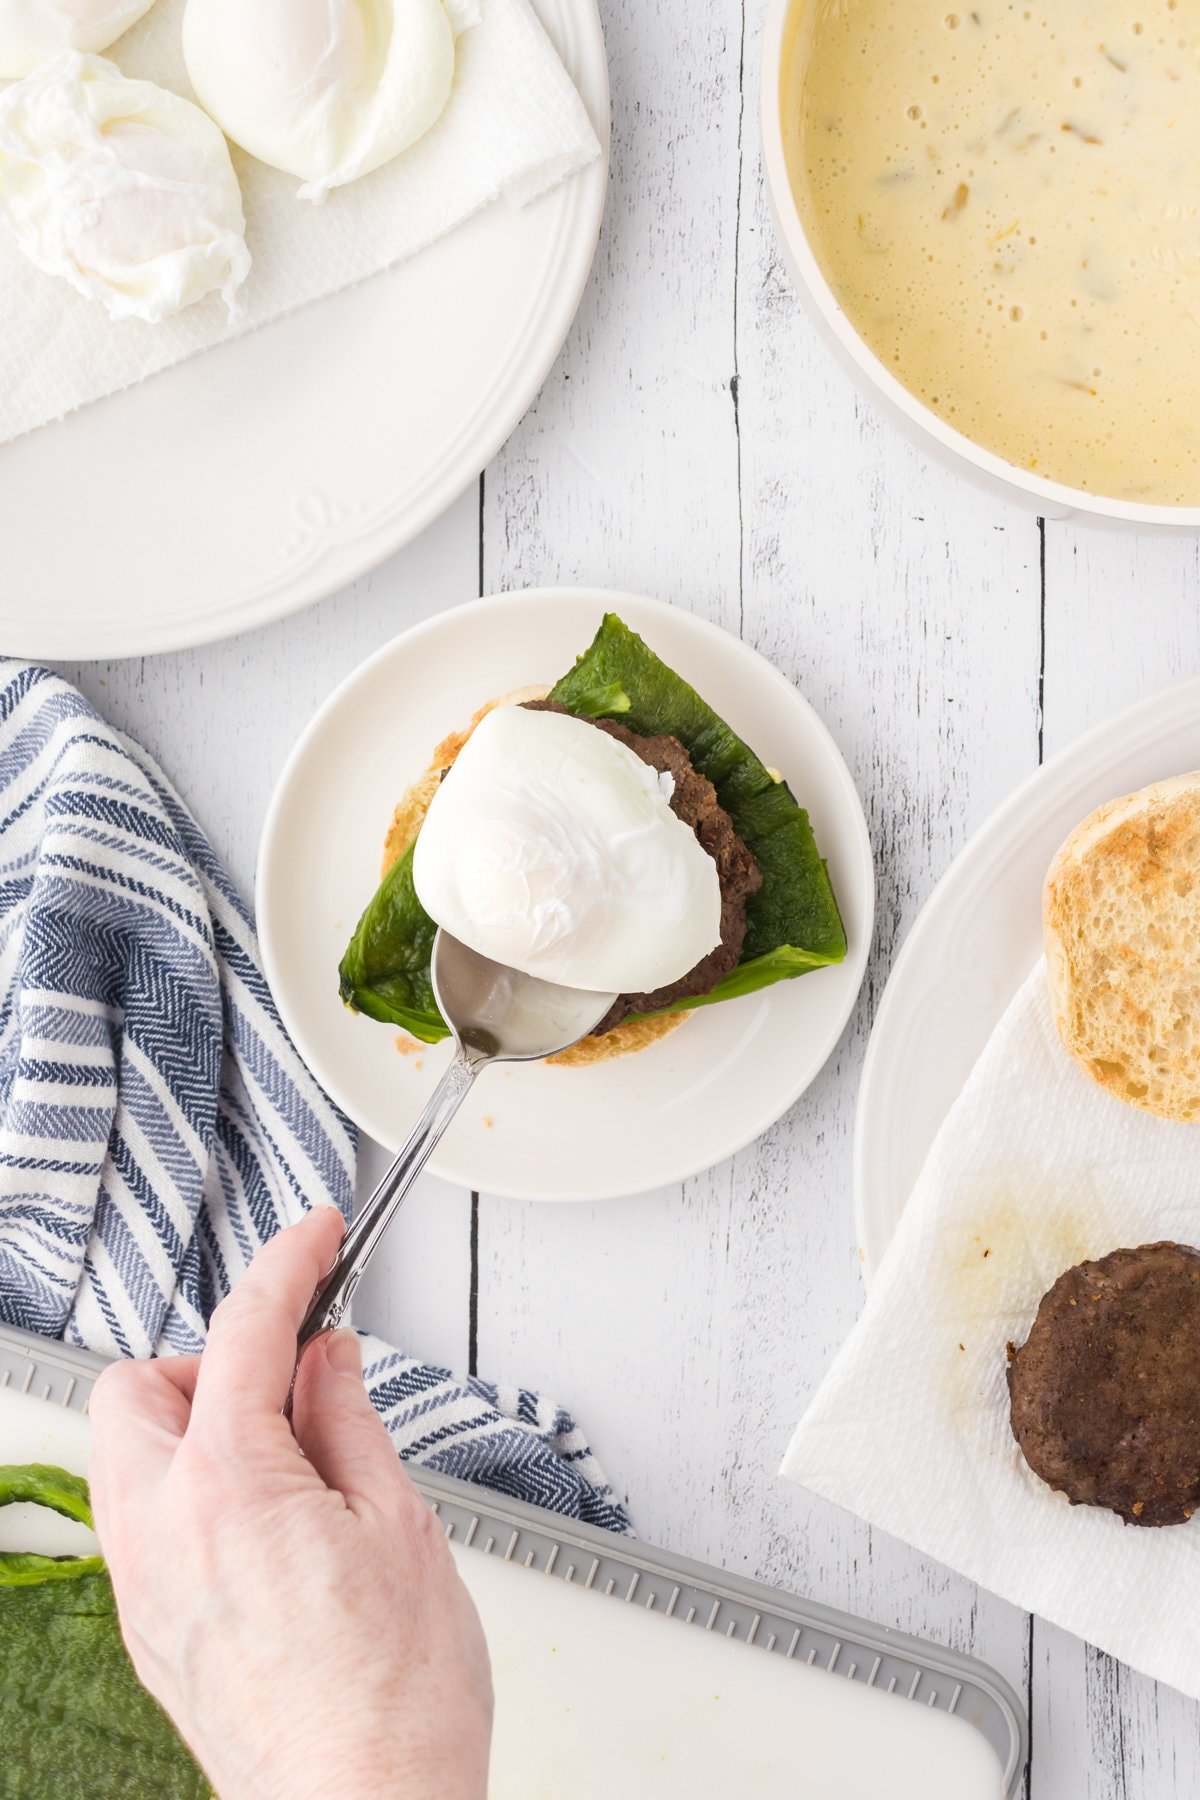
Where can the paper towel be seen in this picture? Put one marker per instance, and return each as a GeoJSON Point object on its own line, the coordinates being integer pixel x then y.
{"type": "Point", "coordinates": [1035, 1169]}
{"type": "Point", "coordinates": [514, 128]}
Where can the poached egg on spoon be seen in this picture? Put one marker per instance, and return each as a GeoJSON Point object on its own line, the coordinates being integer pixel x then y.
{"type": "Point", "coordinates": [551, 847]}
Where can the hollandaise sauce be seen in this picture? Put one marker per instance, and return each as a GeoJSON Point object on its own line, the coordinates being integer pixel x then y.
{"type": "Point", "coordinates": [1005, 199]}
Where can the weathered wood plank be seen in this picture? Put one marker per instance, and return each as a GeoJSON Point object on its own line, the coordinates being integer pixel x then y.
{"type": "Point", "coordinates": [906, 606]}
{"type": "Point", "coordinates": [1103, 1732]}
{"type": "Point", "coordinates": [1122, 620]}
{"type": "Point", "coordinates": [689, 1326]}
{"type": "Point", "coordinates": [624, 472]}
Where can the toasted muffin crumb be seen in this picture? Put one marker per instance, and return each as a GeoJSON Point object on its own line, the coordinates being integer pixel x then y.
{"type": "Point", "coordinates": [623, 1040]}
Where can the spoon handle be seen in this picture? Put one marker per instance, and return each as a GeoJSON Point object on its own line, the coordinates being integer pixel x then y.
{"type": "Point", "coordinates": [336, 1291]}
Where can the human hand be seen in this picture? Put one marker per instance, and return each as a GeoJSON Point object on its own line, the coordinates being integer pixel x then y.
{"type": "Point", "coordinates": [299, 1617]}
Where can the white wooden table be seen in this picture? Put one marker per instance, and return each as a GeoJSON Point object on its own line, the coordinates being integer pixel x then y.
{"type": "Point", "coordinates": [695, 442]}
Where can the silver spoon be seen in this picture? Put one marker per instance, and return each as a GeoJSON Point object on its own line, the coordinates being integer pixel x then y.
{"type": "Point", "coordinates": [495, 1014]}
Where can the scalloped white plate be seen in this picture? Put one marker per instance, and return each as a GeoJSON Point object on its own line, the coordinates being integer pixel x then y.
{"type": "Point", "coordinates": [531, 1131]}
{"type": "Point", "coordinates": [249, 481]}
{"type": "Point", "coordinates": [976, 939]}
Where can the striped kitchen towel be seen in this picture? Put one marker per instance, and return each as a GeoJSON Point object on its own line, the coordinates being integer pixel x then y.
{"type": "Point", "coordinates": [156, 1125]}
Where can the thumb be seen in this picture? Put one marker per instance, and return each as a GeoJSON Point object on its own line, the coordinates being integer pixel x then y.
{"type": "Point", "coordinates": [337, 1427]}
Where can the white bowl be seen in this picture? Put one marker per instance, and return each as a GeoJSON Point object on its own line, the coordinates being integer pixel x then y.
{"type": "Point", "coordinates": [1052, 499]}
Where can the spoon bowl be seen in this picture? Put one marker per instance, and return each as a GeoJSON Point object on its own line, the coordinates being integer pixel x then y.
{"type": "Point", "coordinates": [503, 1015]}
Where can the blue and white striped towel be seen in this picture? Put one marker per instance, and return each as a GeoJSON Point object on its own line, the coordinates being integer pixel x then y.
{"type": "Point", "coordinates": [156, 1125]}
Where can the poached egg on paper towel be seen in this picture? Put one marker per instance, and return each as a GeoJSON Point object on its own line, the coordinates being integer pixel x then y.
{"type": "Point", "coordinates": [32, 31]}
{"type": "Point", "coordinates": [326, 90]}
{"type": "Point", "coordinates": [123, 189]}
{"type": "Point", "coordinates": [551, 847]}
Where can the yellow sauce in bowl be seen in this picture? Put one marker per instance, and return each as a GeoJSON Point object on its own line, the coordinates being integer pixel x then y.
{"type": "Point", "coordinates": [1005, 200]}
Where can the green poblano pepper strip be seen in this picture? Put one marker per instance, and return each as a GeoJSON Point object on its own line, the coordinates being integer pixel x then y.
{"type": "Point", "coordinates": [607, 700]}
{"type": "Point", "coordinates": [45, 1486]}
{"type": "Point", "coordinates": [42, 1485]}
{"type": "Point", "coordinates": [75, 1722]}
{"type": "Point", "coordinates": [385, 971]}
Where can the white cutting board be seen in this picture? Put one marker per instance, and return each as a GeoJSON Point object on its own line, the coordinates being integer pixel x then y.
{"type": "Point", "coordinates": [595, 1697]}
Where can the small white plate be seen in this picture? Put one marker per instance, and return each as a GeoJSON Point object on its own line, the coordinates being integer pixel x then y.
{"type": "Point", "coordinates": [253, 479]}
{"type": "Point", "coordinates": [534, 1132]}
{"type": "Point", "coordinates": [977, 937]}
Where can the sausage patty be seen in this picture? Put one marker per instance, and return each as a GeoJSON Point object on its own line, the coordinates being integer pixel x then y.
{"type": "Point", "coordinates": [1105, 1390]}
{"type": "Point", "coordinates": [694, 800]}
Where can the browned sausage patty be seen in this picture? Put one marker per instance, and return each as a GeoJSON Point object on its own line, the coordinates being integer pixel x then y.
{"type": "Point", "coordinates": [1105, 1390]}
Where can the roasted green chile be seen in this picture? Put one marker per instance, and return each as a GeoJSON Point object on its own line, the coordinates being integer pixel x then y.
{"type": "Point", "coordinates": [75, 1722]}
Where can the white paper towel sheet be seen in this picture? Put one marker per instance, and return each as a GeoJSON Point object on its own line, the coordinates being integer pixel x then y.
{"type": "Point", "coordinates": [1035, 1169]}
{"type": "Point", "coordinates": [514, 128]}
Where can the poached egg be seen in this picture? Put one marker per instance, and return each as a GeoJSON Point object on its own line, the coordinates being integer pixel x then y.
{"type": "Point", "coordinates": [551, 847]}
{"type": "Point", "coordinates": [326, 90]}
{"type": "Point", "coordinates": [32, 31]}
{"type": "Point", "coordinates": [119, 187]}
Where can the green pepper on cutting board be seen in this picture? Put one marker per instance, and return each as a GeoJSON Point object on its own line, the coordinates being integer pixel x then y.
{"type": "Point", "coordinates": [75, 1722]}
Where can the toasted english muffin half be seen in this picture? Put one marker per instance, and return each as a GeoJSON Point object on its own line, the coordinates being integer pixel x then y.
{"type": "Point", "coordinates": [624, 1039]}
{"type": "Point", "coordinates": [1121, 924]}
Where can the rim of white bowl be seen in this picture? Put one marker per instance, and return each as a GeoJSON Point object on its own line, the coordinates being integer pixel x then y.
{"type": "Point", "coordinates": [1052, 498]}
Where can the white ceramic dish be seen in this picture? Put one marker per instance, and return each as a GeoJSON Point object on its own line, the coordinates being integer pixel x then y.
{"type": "Point", "coordinates": [977, 938]}
{"type": "Point", "coordinates": [619, 1127]}
{"type": "Point", "coordinates": [256, 478]}
{"type": "Point", "coordinates": [924, 428]}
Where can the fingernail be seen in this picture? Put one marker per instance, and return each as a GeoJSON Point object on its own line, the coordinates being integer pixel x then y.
{"type": "Point", "coordinates": [345, 1357]}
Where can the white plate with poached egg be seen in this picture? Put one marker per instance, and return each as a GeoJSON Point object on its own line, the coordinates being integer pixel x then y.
{"type": "Point", "coordinates": [534, 1131]}
{"type": "Point", "coordinates": [248, 481]}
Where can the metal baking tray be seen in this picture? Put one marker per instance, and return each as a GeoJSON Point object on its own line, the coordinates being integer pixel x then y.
{"type": "Point", "coordinates": [626, 1571]}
